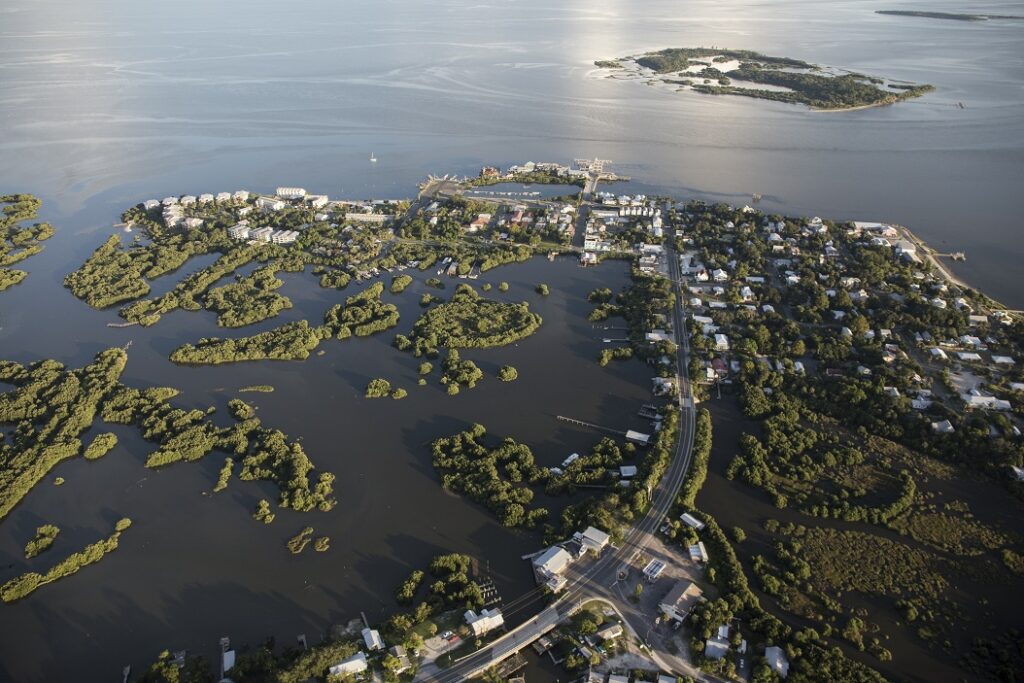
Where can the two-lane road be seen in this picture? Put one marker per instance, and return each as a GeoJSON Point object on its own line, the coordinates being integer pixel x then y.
{"type": "Point", "coordinates": [598, 577]}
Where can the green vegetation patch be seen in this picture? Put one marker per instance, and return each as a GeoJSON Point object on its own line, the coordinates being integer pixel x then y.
{"type": "Point", "coordinates": [362, 314]}
{"type": "Point", "coordinates": [100, 446]}
{"type": "Point", "coordinates": [10, 277]}
{"type": "Point", "coordinates": [17, 242]}
{"type": "Point", "coordinates": [458, 373]}
{"type": "Point", "coordinates": [497, 478]}
{"type": "Point", "coordinates": [44, 538]}
{"type": "Point", "coordinates": [399, 283]}
{"type": "Point", "coordinates": [21, 586]}
{"type": "Point", "coordinates": [291, 341]}
{"type": "Point", "coordinates": [297, 543]}
{"type": "Point", "coordinates": [469, 321]}
{"type": "Point", "coordinates": [250, 300]}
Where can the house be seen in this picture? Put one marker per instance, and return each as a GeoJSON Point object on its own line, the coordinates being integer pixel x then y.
{"type": "Point", "coordinates": [655, 336]}
{"type": "Point", "coordinates": [269, 204]}
{"type": "Point", "coordinates": [610, 632]}
{"type": "Point", "coordinates": [240, 196]}
{"type": "Point", "coordinates": [150, 204]}
{"type": "Point", "coordinates": [698, 553]}
{"type": "Point", "coordinates": [169, 201]}
{"type": "Point", "coordinates": [193, 223]}
{"type": "Point", "coordinates": [721, 342]}
{"type": "Point", "coordinates": [680, 600]}
{"type": "Point", "coordinates": [188, 200]}
{"type": "Point", "coordinates": [944, 427]}
{"type": "Point", "coordinates": [223, 196]}
{"type": "Point", "coordinates": [317, 201]}
{"type": "Point", "coordinates": [716, 648]}
{"type": "Point", "coordinates": [972, 341]}
{"type": "Point", "coordinates": [353, 665]}
{"type": "Point", "coordinates": [969, 356]}
{"type": "Point", "coordinates": [719, 275]}
{"type": "Point", "coordinates": [594, 539]}
{"type": "Point", "coordinates": [399, 653]}
{"type": "Point", "coordinates": [1003, 360]}
{"type": "Point", "coordinates": [290, 192]}
{"type": "Point", "coordinates": [653, 570]}
{"type": "Point", "coordinates": [976, 399]}
{"type": "Point", "coordinates": [205, 198]}
{"type": "Point", "coordinates": [486, 621]}
{"type": "Point", "coordinates": [691, 521]}
{"type": "Point", "coordinates": [627, 471]}
{"type": "Point", "coordinates": [747, 294]}
{"type": "Point", "coordinates": [372, 639]}
{"type": "Point", "coordinates": [776, 658]}
{"type": "Point", "coordinates": [938, 354]}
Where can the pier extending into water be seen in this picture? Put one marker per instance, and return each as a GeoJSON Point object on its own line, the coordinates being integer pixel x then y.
{"type": "Point", "coordinates": [590, 425]}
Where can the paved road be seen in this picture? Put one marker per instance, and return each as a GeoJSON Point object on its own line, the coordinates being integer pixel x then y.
{"type": "Point", "coordinates": [598, 577]}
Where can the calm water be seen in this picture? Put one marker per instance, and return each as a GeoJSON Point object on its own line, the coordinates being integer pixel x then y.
{"type": "Point", "coordinates": [106, 103]}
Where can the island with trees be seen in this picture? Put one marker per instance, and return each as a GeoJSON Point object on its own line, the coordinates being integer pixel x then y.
{"type": "Point", "coordinates": [468, 320]}
{"type": "Point", "coordinates": [719, 71]}
{"type": "Point", "coordinates": [18, 242]}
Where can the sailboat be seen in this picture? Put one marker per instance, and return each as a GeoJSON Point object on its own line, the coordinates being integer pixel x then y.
{"type": "Point", "coordinates": [373, 159]}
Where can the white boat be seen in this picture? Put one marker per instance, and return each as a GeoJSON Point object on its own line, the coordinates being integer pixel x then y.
{"type": "Point", "coordinates": [373, 158]}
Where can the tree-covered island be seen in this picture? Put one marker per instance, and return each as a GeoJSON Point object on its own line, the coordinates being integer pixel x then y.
{"type": "Point", "coordinates": [719, 71]}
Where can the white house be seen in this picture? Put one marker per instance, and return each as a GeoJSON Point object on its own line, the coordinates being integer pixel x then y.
{"type": "Point", "coordinates": [486, 621]}
{"type": "Point", "coordinates": [552, 562]}
{"type": "Point", "coordinates": [353, 665]}
{"type": "Point", "coordinates": [269, 204]}
{"type": "Point", "coordinates": [721, 342]}
{"type": "Point", "coordinates": [223, 196]}
{"type": "Point", "coordinates": [594, 539]}
{"type": "Point", "coordinates": [150, 204]}
{"type": "Point", "coordinates": [944, 427]}
{"type": "Point", "coordinates": [241, 196]}
{"type": "Point", "coordinates": [691, 521]}
{"type": "Point", "coordinates": [290, 192]}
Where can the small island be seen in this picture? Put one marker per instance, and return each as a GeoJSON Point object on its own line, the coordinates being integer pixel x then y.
{"type": "Point", "coordinates": [719, 71]}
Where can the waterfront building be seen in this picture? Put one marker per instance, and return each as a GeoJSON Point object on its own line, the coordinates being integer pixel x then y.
{"type": "Point", "coordinates": [372, 639]}
{"type": "Point", "coordinates": [680, 600]}
{"type": "Point", "coordinates": [355, 664]}
{"type": "Point", "coordinates": [486, 621]}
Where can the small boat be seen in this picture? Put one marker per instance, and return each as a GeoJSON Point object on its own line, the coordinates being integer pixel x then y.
{"type": "Point", "coordinates": [373, 159]}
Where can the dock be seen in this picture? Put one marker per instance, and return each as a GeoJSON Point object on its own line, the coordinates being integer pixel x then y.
{"type": "Point", "coordinates": [648, 411]}
{"type": "Point", "coordinates": [590, 425]}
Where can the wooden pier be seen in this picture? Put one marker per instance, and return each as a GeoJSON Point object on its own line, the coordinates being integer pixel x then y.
{"type": "Point", "coordinates": [590, 425]}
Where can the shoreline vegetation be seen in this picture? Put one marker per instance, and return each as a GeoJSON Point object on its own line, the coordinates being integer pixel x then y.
{"type": "Point", "coordinates": [19, 243]}
{"type": "Point", "coordinates": [954, 16]}
{"type": "Point", "coordinates": [21, 586]}
{"type": "Point", "coordinates": [784, 79]}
